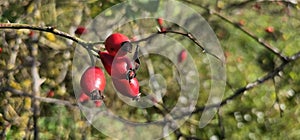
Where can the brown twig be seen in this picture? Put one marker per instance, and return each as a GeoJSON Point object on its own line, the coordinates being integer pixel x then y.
{"type": "Point", "coordinates": [244, 30]}
{"type": "Point", "coordinates": [18, 93]}
{"type": "Point", "coordinates": [253, 84]}
{"type": "Point", "coordinates": [188, 35]}
{"type": "Point", "coordinates": [53, 30]}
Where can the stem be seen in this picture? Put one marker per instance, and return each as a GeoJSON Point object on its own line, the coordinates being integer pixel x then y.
{"type": "Point", "coordinates": [50, 29]}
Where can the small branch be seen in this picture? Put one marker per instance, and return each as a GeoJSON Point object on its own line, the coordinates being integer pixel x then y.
{"type": "Point", "coordinates": [221, 125]}
{"type": "Point", "coordinates": [257, 39]}
{"type": "Point", "coordinates": [188, 35]}
{"type": "Point", "coordinates": [277, 101]}
{"type": "Point", "coordinates": [18, 93]}
{"type": "Point", "coordinates": [249, 86]}
{"type": "Point", "coordinates": [53, 30]}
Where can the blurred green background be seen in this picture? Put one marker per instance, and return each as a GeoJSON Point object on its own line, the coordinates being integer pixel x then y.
{"type": "Point", "coordinates": [268, 111]}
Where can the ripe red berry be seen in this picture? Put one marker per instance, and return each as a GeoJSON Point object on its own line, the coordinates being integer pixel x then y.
{"type": "Point", "coordinates": [83, 97]}
{"type": "Point", "coordinates": [160, 22]}
{"type": "Point", "coordinates": [98, 103]}
{"type": "Point", "coordinates": [31, 33]}
{"type": "Point", "coordinates": [92, 80]}
{"type": "Point", "coordinates": [114, 42]}
{"type": "Point", "coordinates": [242, 22]}
{"type": "Point", "coordinates": [116, 67]}
{"type": "Point", "coordinates": [50, 93]}
{"type": "Point", "coordinates": [121, 67]}
{"type": "Point", "coordinates": [270, 29]}
{"type": "Point", "coordinates": [80, 30]}
{"type": "Point", "coordinates": [106, 60]}
{"type": "Point", "coordinates": [182, 56]}
{"type": "Point", "coordinates": [129, 89]}
{"type": "Point", "coordinates": [0, 50]}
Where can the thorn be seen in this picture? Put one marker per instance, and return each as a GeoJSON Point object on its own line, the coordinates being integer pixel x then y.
{"type": "Point", "coordinates": [158, 29]}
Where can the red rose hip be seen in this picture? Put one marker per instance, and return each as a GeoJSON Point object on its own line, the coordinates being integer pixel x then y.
{"type": "Point", "coordinates": [93, 82]}
{"type": "Point", "coordinates": [160, 22]}
{"type": "Point", "coordinates": [106, 60]}
{"type": "Point", "coordinates": [114, 42]}
{"type": "Point", "coordinates": [182, 56]}
{"type": "Point", "coordinates": [129, 89]}
{"type": "Point", "coordinates": [120, 67]}
{"type": "Point", "coordinates": [83, 97]}
{"type": "Point", "coordinates": [80, 30]}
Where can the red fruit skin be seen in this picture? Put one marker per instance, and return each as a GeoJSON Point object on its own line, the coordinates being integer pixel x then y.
{"type": "Point", "coordinates": [98, 103]}
{"type": "Point", "coordinates": [113, 43]}
{"type": "Point", "coordinates": [116, 67]}
{"type": "Point", "coordinates": [50, 93]}
{"type": "Point", "coordinates": [269, 29]}
{"type": "Point", "coordinates": [129, 89]}
{"type": "Point", "coordinates": [106, 60]}
{"type": "Point", "coordinates": [160, 22]}
{"type": "Point", "coordinates": [182, 56]}
{"type": "Point", "coordinates": [80, 30]}
{"type": "Point", "coordinates": [93, 79]}
{"type": "Point", "coordinates": [83, 97]}
{"type": "Point", "coordinates": [31, 33]}
{"type": "Point", "coordinates": [0, 50]}
{"type": "Point", "coordinates": [120, 67]}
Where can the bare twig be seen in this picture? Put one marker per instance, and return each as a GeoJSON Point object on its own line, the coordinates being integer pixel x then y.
{"type": "Point", "coordinates": [257, 39]}
{"type": "Point", "coordinates": [188, 35]}
{"type": "Point", "coordinates": [253, 84]}
{"type": "Point", "coordinates": [18, 93]}
{"type": "Point", "coordinates": [53, 30]}
{"type": "Point", "coordinates": [277, 101]}
{"type": "Point", "coordinates": [249, 86]}
{"type": "Point", "coordinates": [221, 125]}
{"type": "Point", "coordinates": [36, 83]}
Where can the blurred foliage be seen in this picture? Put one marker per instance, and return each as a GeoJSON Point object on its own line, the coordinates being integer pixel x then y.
{"type": "Point", "coordinates": [254, 115]}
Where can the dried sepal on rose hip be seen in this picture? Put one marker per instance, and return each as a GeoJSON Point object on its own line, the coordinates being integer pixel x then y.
{"type": "Point", "coordinates": [93, 82]}
{"type": "Point", "coordinates": [85, 98]}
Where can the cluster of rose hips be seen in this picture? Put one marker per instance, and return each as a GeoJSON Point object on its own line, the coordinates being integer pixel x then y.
{"type": "Point", "coordinates": [118, 65]}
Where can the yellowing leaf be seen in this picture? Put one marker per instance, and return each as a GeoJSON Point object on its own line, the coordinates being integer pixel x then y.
{"type": "Point", "coordinates": [50, 36]}
{"type": "Point", "coordinates": [26, 83]}
{"type": "Point", "coordinates": [61, 91]}
{"type": "Point", "coordinates": [20, 134]}
{"type": "Point", "coordinates": [24, 120]}
{"type": "Point", "coordinates": [10, 113]}
{"type": "Point", "coordinates": [27, 103]}
{"type": "Point", "coordinates": [30, 8]}
{"type": "Point", "coordinates": [15, 85]}
{"type": "Point", "coordinates": [220, 4]}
